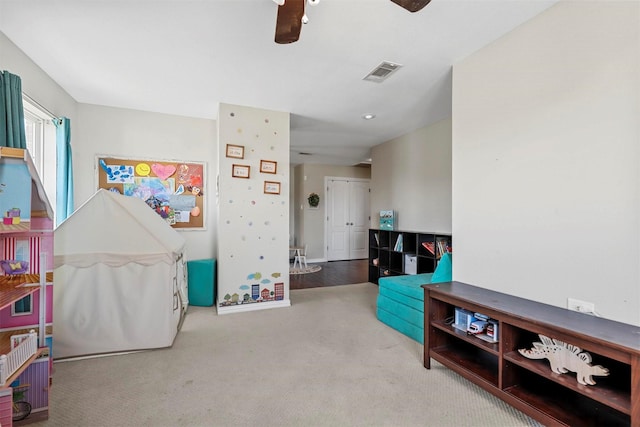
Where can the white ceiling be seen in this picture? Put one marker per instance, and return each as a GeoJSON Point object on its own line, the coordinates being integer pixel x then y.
{"type": "Point", "coordinates": [183, 57]}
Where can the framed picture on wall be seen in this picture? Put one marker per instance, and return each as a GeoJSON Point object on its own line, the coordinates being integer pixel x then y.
{"type": "Point", "coordinates": [271, 187]}
{"type": "Point", "coordinates": [240, 171]}
{"type": "Point", "coordinates": [235, 151]}
{"type": "Point", "coordinates": [268, 166]}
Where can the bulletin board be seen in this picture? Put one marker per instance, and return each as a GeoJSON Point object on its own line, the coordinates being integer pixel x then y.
{"type": "Point", "coordinates": [173, 189]}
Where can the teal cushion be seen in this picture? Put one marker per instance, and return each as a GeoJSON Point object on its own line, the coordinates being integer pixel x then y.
{"type": "Point", "coordinates": [443, 270]}
{"type": "Point", "coordinates": [399, 309]}
{"type": "Point", "coordinates": [415, 303]}
{"type": "Point", "coordinates": [409, 284]}
{"type": "Point", "coordinates": [412, 331]}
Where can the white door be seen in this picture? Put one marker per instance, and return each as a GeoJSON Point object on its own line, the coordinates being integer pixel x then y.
{"type": "Point", "coordinates": [338, 220]}
{"type": "Point", "coordinates": [347, 219]}
{"type": "Point", "coordinates": [359, 219]}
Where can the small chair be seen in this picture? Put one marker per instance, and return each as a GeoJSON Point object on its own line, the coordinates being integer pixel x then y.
{"type": "Point", "coordinates": [301, 257]}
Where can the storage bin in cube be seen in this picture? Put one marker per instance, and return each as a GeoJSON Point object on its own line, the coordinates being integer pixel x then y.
{"type": "Point", "coordinates": [202, 282]}
{"type": "Point", "coordinates": [410, 264]}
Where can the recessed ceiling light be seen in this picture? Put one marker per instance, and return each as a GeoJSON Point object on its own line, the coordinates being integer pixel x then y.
{"type": "Point", "coordinates": [368, 116]}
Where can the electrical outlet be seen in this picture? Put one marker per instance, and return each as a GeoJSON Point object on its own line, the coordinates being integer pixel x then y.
{"type": "Point", "coordinates": [581, 306]}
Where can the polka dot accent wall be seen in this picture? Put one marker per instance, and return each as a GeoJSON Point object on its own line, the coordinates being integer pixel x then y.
{"type": "Point", "coordinates": [253, 218]}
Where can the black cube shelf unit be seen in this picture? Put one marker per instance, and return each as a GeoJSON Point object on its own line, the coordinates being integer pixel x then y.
{"type": "Point", "coordinates": [414, 257]}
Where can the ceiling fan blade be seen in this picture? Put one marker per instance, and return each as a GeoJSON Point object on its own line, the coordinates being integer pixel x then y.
{"type": "Point", "coordinates": [412, 5]}
{"type": "Point", "coordinates": [289, 21]}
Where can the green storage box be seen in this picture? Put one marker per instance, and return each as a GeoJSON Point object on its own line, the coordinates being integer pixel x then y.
{"type": "Point", "coordinates": [202, 282]}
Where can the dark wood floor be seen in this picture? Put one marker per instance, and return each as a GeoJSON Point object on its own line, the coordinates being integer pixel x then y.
{"type": "Point", "coordinates": [333, 273]}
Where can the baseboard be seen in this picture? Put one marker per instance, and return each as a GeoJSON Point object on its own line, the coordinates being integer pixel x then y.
{"type": "Point", "coordinates": [252, 307]}
{"type": "Point", "coordinates": [316, 260]}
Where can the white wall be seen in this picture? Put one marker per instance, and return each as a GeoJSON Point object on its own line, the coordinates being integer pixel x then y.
{"type": "Point", "coordinates": [35, 82]}
{"type": "Point", "coordinates": [412, 175]}
{"type": "Point", "coordinates": [545, 159]}
{"type": "Point", "coordinates": [253, 226]}
{"type": "Point", "coordinates": [118, 132]}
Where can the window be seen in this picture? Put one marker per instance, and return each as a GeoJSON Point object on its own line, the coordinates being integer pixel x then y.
{"type": "Point", "coordinates": [33, 127]}
{"type": "Point", "coordinates": [41, 144]}
{"type": "Point", "coordinates": [22, 307]}
{"type": "Point", "coordinates": [21, 250]}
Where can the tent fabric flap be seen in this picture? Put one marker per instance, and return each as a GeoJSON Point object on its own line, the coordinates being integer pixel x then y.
{"type": "Point", "coordinates": [110, 223]}
{"type": "Point", "coordinates": [111, 259]}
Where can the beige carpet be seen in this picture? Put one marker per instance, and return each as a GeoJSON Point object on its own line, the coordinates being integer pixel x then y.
{"type": "Point", "coordinates": [324, 361]}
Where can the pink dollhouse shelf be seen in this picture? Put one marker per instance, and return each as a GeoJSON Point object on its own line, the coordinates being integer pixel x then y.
{"type": "Point", "coordinates": [11, 289]}
{"type": "Point", "coordinates": [27, 217]}
{"type": "Point", "coordinates": [17, 228]}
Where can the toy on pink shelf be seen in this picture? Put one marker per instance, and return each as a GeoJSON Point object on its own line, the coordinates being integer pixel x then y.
{"type": "Point", "coordinates": [12, 217]}
{"type": "Point", "coordinates": [13, 212]}
{"type": "Point", "coordinates": [10, 266]}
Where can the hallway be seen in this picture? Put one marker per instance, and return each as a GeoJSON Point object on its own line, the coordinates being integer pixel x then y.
{"type": "Point", "coordinates": [332, 274]}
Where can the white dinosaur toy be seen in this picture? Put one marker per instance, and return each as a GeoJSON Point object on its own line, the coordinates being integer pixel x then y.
{"type": "Point", "coordinates": [565, 357]}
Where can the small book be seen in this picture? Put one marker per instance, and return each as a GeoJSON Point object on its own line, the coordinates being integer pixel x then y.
{"type": "Point", "coordinates": [387, 220]}
{"type": "Point", "coordinates": [398, 246]}
{"type": "Point", "coordinates": [429, 246]}
{"type": "Point", "coordinates": [442, 249]}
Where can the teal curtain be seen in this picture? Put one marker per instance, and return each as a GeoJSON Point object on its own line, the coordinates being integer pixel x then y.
{"type": "Point", "coordinates": [64, 170]}
{"type": "Point", "coordinates": [12, 133]}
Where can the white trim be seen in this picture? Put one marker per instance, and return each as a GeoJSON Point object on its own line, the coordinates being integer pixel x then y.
{"type": "Point", "coordinates": [23, 327]}
{"type": "Point", "coordinates": [42, 310]}
{"type": "Point", "coordinates": [38, 136]}
{"type": "Point", "coordinates": [33, 104]}
{"type": "Point", "coordinates": [43, 159]}
{"type": "Point", "coordinates": [95, 356]}
{"type": "Point", "coordinates": [253, 307]}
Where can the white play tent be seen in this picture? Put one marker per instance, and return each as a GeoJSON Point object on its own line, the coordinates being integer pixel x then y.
{"type": "Point", "coordinates": [120, 278]}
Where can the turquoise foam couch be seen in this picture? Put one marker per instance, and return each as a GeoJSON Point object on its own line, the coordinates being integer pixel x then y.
{"type": "Point", "coordinates": [400, 303]}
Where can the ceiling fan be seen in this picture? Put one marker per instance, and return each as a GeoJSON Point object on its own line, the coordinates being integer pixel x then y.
{"type": "Point", "coordinates": [291, 16]}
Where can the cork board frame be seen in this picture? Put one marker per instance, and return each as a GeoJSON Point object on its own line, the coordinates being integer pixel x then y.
{"type": "Point", "coordinates": [175, 189]}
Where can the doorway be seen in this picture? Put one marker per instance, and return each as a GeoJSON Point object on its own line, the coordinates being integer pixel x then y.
{"type": "Point", "coordinates": [347, 219]}
{"type": "Point", "coordinates": [335, 273]}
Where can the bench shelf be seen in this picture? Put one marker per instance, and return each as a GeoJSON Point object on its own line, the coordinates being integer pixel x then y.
{"type": "Point", "coordinates": [529, 384]}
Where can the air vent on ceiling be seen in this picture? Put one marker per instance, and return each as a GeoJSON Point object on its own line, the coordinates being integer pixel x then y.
{"type": "Point", "coordinates": [382, 71]}
{"type": "Point", "coordinates": [302, 153]}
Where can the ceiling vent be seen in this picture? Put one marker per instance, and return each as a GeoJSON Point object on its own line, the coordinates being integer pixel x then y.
{"type": "Point", "coordinates": [382, 71]}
